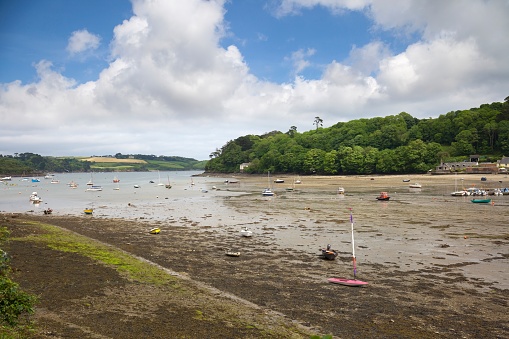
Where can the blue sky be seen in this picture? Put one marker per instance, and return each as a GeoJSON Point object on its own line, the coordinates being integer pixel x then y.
{"type": "Point", "coordinates": [170, 77]}
{"type": "Point", "coordinates": [34, 30]}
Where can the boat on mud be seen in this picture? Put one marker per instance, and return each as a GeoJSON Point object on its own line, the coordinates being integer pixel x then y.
{"type": "Point", "coordinates": [384, 196]}
{"type": "Point", "coordinates": [481, 201]}
{"type": "Point", "coordinates": [328, 253]}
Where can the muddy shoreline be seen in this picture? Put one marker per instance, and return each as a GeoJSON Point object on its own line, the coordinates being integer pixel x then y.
{"type": "Point", "coordinates": [424, 269]}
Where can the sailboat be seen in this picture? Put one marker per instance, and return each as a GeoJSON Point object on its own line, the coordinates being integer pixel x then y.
{"type": "Point", "coordinates": [268, 192]}
{"type": "Point", "coordinates": [160, 183]}
{"type": "Point", "coordinates": [457, 193]}
{"type": "Point", "coordinates": [346, 281]}
{"type": "Point", "coordinates": [168, 185]}
{"type": "Point", "coordinates": [91, 181]}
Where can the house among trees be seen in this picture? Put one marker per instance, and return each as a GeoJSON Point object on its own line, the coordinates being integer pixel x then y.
{"type": "Point", "coordinates": [243, 166]}
{"type": "Point", "coordinates": [503, 165]}
{"type": "Point", "coordinates": [448, 167]}
{"type": "Point", "coordinates": [473, 166]}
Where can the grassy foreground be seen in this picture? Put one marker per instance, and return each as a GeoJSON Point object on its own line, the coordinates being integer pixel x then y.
{"type": "Point", "coordinates": [130, 283]}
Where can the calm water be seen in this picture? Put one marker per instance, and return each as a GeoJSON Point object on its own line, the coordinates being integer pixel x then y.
{"type": "Point", "coordinates": [115, 200]}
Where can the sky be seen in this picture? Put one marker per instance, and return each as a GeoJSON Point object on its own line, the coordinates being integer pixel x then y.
{"type": "Point", "coordinates": [182, 78]}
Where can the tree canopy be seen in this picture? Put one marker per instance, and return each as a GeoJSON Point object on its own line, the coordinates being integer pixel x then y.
{"type": "Point", "coordinates": [384, 145]}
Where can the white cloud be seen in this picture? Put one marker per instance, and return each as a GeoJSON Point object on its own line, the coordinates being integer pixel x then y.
{"type": "Point", "coordinates": [290, 7]}
{"type": "Point", "coordinates": [459, 58]}
{"type": "Point", "coordinates": [82, 41]}
{"type": "Point", "coordinates": [299, 59]}
{"type": "Point", "coordinates": [170, 87]}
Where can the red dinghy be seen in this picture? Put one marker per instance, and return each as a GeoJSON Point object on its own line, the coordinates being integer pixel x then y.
{"type": "Point", "coordinates": [350, 282]}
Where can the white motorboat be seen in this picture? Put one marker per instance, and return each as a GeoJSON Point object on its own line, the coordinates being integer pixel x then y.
{"type": "Point", "coordinates": [246, 233]}
{"type": "Point", "coordinates": [34, 197]}
{"type": "Point", "coordinates": [459, 193]}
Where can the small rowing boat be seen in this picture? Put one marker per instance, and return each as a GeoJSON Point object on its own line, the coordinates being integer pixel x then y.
{"type": "Point", "coordinates": [328, 253]}
{"type": "Point", "coordinates": [481, 201]}
{"type": "Point", "coordinates": [231, 253]}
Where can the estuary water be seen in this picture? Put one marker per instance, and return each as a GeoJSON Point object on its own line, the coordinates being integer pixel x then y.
{"type": "Point", "coordinates": [120, 199]}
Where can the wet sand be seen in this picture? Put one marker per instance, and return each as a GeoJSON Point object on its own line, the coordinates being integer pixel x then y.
{"type": "Point", "coordinates": [436, 264]}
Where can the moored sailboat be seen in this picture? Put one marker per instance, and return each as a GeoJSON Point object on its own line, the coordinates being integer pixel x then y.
{"type": "Point", "coordinates": [267, 192]}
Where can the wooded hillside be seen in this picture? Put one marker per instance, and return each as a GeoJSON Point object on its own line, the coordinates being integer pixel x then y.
{"type": "Point", "coordinates": [32, 164]}
{"type": "Point", "coordinates": [393, 144]}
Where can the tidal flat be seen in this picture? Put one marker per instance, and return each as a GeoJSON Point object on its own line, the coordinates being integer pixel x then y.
{"type": "Point", "coordinates": [436, 264]}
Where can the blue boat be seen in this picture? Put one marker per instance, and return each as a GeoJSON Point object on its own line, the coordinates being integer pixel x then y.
{"type": "Point", "coordinates": [35, 180]}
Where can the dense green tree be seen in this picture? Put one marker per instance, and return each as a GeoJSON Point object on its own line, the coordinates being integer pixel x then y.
{"type": "Point", "coordinates": [270, 160]}
{"type": "Point", "coordinates": [314, 161]}
{"type": "Point", "coordinates": [232, 156]}
{"type": "Point", "coordinates": [386, 162]}
{"type": "Point", "coordinates": [490, 129]}
{"type": "Point", "coordinates": [352, 159]}
{"type": "Point", "coordinates": [462, 148]}
{"type": "Point", "coordinates": [370, 159]}
{"type": "Point", "coordinates": [331, 162]}
{"type": "Point", "coordinates": [503, 137]}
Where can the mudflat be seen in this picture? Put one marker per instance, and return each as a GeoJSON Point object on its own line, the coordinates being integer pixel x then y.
{"type": "Point", "coordinates": [436, 265]}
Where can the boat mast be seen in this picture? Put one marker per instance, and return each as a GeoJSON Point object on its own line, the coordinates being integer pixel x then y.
{"type": "Point", "coordinates": [353, 247]}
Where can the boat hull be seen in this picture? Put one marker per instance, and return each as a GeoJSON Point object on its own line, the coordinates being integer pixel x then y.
{"type": "Point", "coordinates": [481, 201]}
{"type": "Point", "coordinates": [329, 255]}
{"type": "Point", "coordinates": [348, 282]}
{"type": "Point", "coordinates": [232, 254]}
